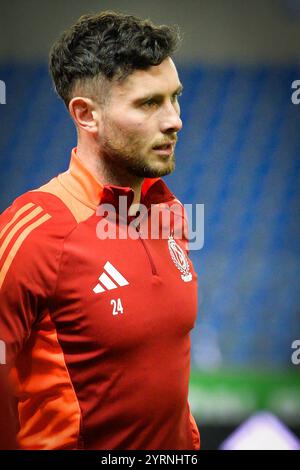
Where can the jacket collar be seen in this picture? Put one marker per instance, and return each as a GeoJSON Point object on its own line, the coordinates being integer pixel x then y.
{"type": "Point", "coordinates": [85, 187]}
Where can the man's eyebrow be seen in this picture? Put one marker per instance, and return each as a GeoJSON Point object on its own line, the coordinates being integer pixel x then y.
{"type": "Point", "coordinates": [158, 95]}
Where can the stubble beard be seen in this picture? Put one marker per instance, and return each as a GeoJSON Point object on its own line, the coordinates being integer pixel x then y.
{"type": "Point", "coordinates": [128, 158]}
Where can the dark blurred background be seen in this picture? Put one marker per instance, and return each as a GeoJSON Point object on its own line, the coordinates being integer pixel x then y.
{"type": "Point", "coordinates": [238, 154]}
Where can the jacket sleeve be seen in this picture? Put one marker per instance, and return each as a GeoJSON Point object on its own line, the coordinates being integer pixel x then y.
{"type": "Point", "coordinates": [194, 430]}
{"type": "Point", "coordinates": [32, 234]}
{"type": "Point", "coordinates": [22, 280]}
{"type": "Point", "coordinates": [17, 306]}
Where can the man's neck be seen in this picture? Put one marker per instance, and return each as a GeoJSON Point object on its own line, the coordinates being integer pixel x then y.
{"type": "Point", "coordinates": [108, 174]}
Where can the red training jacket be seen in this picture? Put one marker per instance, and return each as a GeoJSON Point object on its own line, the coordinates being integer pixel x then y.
{"type": "Point", "coordinates": [97, 330]}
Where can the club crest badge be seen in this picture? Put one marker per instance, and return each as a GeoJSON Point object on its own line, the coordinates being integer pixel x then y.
{"type": "Point", "coordinates": [180, 259]}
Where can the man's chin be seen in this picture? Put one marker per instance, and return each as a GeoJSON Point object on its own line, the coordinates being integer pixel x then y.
{"type": "Point", "coordinates": [155, 172]}
{"type": "Point", "coordinates": [158, 169]}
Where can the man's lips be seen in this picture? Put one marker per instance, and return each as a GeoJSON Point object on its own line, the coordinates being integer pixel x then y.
{"type": "Point", "coordinates": [165, 144]}
{"type": "Point", "coordinates": [165, 149]}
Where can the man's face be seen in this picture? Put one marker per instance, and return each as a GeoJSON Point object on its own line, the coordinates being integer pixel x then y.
{"type": "Point", "coordinates": [140, 121]}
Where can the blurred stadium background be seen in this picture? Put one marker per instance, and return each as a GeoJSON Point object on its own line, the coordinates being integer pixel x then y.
{"type": "Point", "coordinates": [238, 153]}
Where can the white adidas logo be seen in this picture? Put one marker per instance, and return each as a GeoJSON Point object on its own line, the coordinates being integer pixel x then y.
{"type": "Point", "coordinates": [108, 282]}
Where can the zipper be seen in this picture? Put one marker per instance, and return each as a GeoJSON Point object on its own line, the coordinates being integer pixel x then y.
{"type": "Point", "coordinates": [153, 267]}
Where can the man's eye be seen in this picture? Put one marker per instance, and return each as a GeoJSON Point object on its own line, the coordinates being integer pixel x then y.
{"type": "Point", "coordinates": [149, 103]}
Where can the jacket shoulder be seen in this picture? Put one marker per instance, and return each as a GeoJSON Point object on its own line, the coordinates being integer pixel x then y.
{"type": "Point", "coordinates": [34, 209]}
{"type": "Point", "coordinates": [32, 233]}
{"type": "Point", "coordinates": [59, 190]}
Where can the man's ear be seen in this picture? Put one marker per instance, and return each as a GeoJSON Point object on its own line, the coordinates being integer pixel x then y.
{"type": "Point", "coordinates": [85, 113]}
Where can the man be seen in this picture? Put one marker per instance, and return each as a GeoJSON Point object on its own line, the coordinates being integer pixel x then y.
{"type": "Point", "coordinates": [98, 328]}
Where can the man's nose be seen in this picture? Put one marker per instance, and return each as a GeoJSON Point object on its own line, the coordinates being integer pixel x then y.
{"type": "Point", "coordinates": [170, 120]}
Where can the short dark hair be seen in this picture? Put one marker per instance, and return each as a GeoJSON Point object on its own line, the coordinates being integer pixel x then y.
{"type": "Point", "coordinates": [108, 45]}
